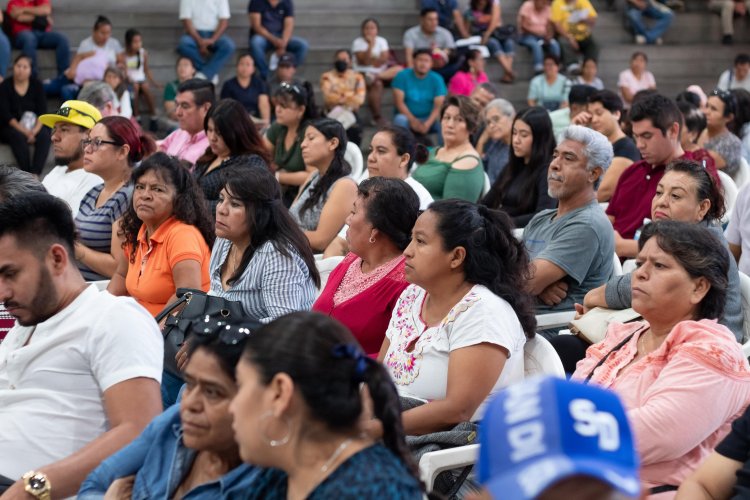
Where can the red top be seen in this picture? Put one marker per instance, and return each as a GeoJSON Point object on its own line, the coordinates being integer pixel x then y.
{"type": "Point", "coordinates": [631, 201]}
{"type": "Point", "coordinates": [368, 312]}
{"type": "Point", "coordinates": [15, 26]}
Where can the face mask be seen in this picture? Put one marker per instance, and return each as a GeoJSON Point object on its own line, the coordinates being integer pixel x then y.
{"type": "Point", "coordinates": [340, 66]}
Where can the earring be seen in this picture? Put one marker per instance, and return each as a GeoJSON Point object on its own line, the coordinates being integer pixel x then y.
{"type": "Point", "coordinates": [275, 442]}
{"type": "Point", "coordinates": [372, 239]}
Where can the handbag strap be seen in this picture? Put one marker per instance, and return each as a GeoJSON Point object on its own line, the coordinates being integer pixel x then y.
{"type": "Point", "coordinates": [614, 349]}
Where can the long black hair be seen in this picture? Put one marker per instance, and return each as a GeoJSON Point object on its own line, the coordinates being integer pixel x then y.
{"type": "Point", "coordinates": [392, 207]}
{"type": "Point", "coordinates": [189, 204]}
{"type": "Point", "coordinates": [233, 124]}
{"type": "Point", "coordinates": [331, 129]}
{"type": "Point", "coordinates": [494, 257]}
{"type": "Point", "coordinates": [542, 147]}
{"type": "Point", "coordinates": [327, 366]}
{"type": "Point", "coordinates": [267, 217]}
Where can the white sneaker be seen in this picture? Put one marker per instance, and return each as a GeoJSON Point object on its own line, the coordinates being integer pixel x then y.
{"type": "Point", "coordinates": [215, 80]}
{"type": "Point", "coordinates": [640, 40]}
{"type": "Point", "coordinates": [659, 41]}
{"type": "Point", "coordinates": [200, 76]}
{"type": "Point", "coordinates": [274, 62]}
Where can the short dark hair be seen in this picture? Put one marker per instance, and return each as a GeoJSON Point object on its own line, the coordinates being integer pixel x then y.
{"type": "Point", "coordinates": [404, 141]}
{"type": "Point", "coordinates": [427, 10]}
{"type": "Point", "coordinates": [421, 52]}
{"type": "Point", "coordinates": [700, 253]}
{"type": "Point", "coordinates": [392, 208]}
{"type": "Point", "coordinates": [580, 94]}
{"type": "Point", "coordinates": [608, 99]}
{"type": "Point", "coordinates": [203, 90]}
{"type": "Point", "coordinates": [660, 109]}
{"type": "Point", "coordinates": [688, 96]}
{"type": "Point", "coordinates": [693, 118]}
{"type": "Point", "coordinates": [38, 220]}
{"type": "Point", "coordinates": [101, 21]}
{"type": "Point", "coordinates": [742, 116]}
{"type": "Point", "coordinates": [742, 58]}
{"type": "Point", "coordinates": [639, 54]}
{"type": "Point", "coordinates": [552, 57]}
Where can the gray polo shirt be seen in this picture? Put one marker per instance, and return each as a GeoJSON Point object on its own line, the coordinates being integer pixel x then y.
{"type": "Point", "coordinates": [415, 38]}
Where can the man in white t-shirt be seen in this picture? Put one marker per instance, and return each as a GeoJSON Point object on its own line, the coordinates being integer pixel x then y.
{"type": "Point", "coordinates": [71, 124]}
{"type": "Point", "coordinates": [80, 372]}
{"type": "Point", "coordinates": [204, 42]}
{"type": "Point", "coordinates": [737, 77]}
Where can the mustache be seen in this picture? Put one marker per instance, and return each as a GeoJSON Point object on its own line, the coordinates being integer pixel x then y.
{"type": "Point", "coordinates": [555, 177]}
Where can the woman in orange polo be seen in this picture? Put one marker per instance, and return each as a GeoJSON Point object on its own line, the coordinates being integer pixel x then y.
{"type": "Point", "coordinates": [167, 232]}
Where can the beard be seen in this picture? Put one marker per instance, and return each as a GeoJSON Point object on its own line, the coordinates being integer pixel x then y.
{"type": "Point", "coordinates": [67, 160]}
{"type": "Point", "coordinates": [44, 303]}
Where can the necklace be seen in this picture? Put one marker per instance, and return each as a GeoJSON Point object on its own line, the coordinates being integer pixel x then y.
{"type": "Point", "coordinates": [335, 455]}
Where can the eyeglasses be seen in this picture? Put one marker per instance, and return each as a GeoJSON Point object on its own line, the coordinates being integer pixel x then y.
{"type": "Point", "coordinates": [66, 113]}
{"type": "Point", "coordinates": [291, 87]}
{"type": "Point", "coordinates": [227, 333]}
{"type": "Point", "coordinates": [96, 143]}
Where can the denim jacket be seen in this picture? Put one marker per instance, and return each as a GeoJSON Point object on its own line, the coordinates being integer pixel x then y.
{"type": "Point", "coordinates": [160, 460]}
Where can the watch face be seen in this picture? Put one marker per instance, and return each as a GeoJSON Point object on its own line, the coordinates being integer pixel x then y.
{"type": "Point", "coordinates": [37, 482]}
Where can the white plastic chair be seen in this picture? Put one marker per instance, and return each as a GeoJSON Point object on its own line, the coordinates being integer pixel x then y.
{"type": "Point", "coordinates": [101, 285]}
{"type": "Point", "coordinates": [353, 156]}
{"type": "Point", "coordinates": [742, 176]}
{"type": "Point", "coordinates": [325, 266]}
{"type": "Point", "coordinates": [616, 266]}
{"type": "Point", "coordinates": [745, 293]}
{"type": "Point", "coordinates": [539, 357]}
{"type": "Point", "coordinates": [730, 194]}
{"type": "Point", "coordinates": [487, 185]}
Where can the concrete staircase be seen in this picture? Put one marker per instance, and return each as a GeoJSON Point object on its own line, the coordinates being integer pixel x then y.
{"type": "Point", "coordinates": [691, 54]}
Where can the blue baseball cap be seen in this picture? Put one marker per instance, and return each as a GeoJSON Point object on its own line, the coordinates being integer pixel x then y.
{"type": "Point", "coordinates": [543, 430]}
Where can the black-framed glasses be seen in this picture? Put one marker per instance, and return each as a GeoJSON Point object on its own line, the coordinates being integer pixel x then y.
{"type": "Point", "coordinates": [227, 333]}
{"type": "Point", "coordinates": [96, 143]}
{"type": "Point", "coordinates": [65, 111]}
{"type": "Point", "coordinates": [291, 87]}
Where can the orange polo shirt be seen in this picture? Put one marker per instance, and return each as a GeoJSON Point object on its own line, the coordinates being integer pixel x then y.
{"type": "Point", "coordinates": [149, 279]}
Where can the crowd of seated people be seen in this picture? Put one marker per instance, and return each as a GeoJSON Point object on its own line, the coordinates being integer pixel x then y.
{"type": "Point", "coordinates": [474, 220]}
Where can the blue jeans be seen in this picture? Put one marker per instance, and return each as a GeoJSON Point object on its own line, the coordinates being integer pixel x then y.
{"type": "Point", "coordinates": [29, 41]}
{"type": "Point", "coordinates": [497, 47]}
{"type": "Point", "coordinates": [259, 46]}
{"type": "Point", "coordinates": [402, 121]}
{"type": "Point", "coordinates": [4, 54]}
{"type": "Point", "coordinates": [62, 86]}
{"type": "Point", "coordinates": [534, 44]}
{"type": "Point", "coordinates": [223, 50]}
{"type": "Point", "coordinates": [170, 388]}
{"type": "Point", "coordinates": [661, 14]}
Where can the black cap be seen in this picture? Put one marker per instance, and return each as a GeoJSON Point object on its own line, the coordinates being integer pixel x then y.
{"type": "Point", "coordinates": [287, 59]}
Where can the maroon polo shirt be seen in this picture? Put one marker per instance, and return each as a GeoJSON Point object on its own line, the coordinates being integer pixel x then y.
{"type": "Point", "coordinates": [631, 201]}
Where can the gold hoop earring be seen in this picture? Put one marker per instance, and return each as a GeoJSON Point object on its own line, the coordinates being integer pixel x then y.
{"type": "Point", "coordinates": [274, 442]}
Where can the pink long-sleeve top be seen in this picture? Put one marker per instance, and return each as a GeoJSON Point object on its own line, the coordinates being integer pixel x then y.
{"type": "Point", "coordinates": [681, 398]}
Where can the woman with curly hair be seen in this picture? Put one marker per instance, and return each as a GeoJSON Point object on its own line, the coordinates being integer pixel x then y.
{"type": "Point", "coordinates": [167, 233]}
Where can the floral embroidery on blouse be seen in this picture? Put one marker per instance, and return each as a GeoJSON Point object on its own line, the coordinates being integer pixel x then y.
{"type": "Point", "coordinates": [356, 282]}
{"type": "Point", "coordinates": [408, 328]}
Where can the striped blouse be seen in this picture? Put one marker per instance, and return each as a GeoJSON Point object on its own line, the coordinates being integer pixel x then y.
{"type": "Point", "coordinates": [271, 286]}
{"type": "Point", "coordinates": [95, 224]}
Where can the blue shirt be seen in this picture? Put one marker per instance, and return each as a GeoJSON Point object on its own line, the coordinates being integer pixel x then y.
{"type": "Point", "coordinates": [272, 18]}
{"type": "Point", "coordinates": [419, 93]}
{"type": "Point", "coordinates": [247, 96]}
{"type": "Point", "coordinates": [160, 461]}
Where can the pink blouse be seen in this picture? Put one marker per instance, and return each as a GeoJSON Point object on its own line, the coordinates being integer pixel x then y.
{"type": "Point", "coordinates": [464, 83]}
{"type": "Point", "coordinates": [681, 398]}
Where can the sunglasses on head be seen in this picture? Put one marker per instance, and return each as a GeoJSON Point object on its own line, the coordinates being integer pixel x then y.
{"type": "Point", "coordinates": [291, 87]}
{"type": "Point", "coordinates": [66, 113]}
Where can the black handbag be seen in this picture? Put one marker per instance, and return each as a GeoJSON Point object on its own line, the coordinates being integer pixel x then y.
{"type": "Point", "coordinates": [192, 306]}
{"type": "Point", "coordinates": [505, 32]}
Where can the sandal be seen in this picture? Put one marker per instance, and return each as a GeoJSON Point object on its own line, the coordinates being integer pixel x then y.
{"type": "Point", "coordinates": [507, 78]}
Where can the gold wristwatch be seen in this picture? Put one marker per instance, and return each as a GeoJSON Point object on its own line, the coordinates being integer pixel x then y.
{"type": "Point", "coordinates": [37, 485]}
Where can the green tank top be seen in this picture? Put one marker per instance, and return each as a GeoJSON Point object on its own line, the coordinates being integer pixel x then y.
{"type": "Point", "coordinates": [443, 181]}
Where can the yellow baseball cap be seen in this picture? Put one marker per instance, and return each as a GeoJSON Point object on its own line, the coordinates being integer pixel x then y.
{"type": "Point", "coordinates": [78, 113]}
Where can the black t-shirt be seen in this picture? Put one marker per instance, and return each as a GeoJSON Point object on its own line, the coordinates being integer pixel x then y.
{"type": "Point", "coordinates": [736, 446]}
{"type": "Point", "coordinates": [626, 148]}
{"type": "Point", "coordinates": [248, 97]}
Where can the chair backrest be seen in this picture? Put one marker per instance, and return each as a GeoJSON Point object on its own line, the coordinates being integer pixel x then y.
{"type": "Point", "coordinates": [325, 266]}
{"type": "Point", "coordinates": [742, 175]}
{"type": "Point", "coordinates": [353, 156]}
{"type": "Point", "coordinates": [540, 358]}
{"type": "Point", "coordinates": [730, 194]}
{"type": "Point", "coordinates": [745, 292]}
{"type": "Point", "coordinates": [487, 185]}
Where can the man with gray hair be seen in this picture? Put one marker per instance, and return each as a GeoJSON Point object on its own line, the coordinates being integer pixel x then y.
{"type": "Point", "coordinates": [101, 96]}
{"type": "Point", "coordinates": [571, 248]}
